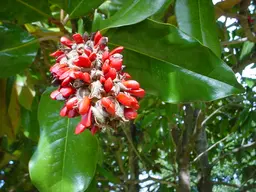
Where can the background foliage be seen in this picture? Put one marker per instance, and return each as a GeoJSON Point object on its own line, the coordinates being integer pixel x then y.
{"type": "Point", "coordinates": [196, 126]}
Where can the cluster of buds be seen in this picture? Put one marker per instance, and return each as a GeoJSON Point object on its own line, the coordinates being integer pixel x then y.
{"type": "Point", "coordinates": [92, 83]}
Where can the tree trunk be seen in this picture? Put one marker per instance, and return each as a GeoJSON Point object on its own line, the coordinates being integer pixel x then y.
{"type": "Point", "coordinates": [184, 176]}
{"type": "Point", "coordinates": [183, 150]}
{"type": "Point", "coordinates": [204, 171]}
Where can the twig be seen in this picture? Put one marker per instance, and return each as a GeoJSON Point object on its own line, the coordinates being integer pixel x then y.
{"type": "Point", "coordinates": [61, 15]}
{"type": "Point", "coordinates": [131, 143]}
{"type": "Point", "coordinates": [218, 110]}
{"type": "Point", "coordinates": [214, 145]}
{"type": "Point", "coordinates": [243, 147]}
{"type": "Point", "coordinates": [48, 38]}
{"type": "Point", "coordinates": [65, 20]}
{"type": "Point", "coordinates": [226, 43]}
{"type": "Point", "coordinates": [239, 67]}
{"type": "Point", "coordinates": [226, 184]}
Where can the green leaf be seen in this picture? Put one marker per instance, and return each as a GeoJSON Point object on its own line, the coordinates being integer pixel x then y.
{"type": "Point", "coordinates": [172, 65]}
{"type": "Point", "coordinates": [246, 50]}
{"type": "Point", "coordinates": [25, 90]}
{"type": "Point", "coordinates": [24, 11]}
{"type": "Point", "coordinates": [131, 12]}
{"type": "Point", "coordinates": [197, 19]}
{"type": "Point", "coordinates": [77, 8]}
{"type": "Point", "coordinates": [17, 50]}
{"type": "Point", "coordinates": [93, 186]}
{"type": "Point", "coordinates": [80, 26]}
{"type": "Point", "coordinates": [108, 175]}
{"type": "Point", "coordinates": [160, 14]}
{"type": "Point", "coordinates": [29, 121]}
{"type": "Point", "coordinates": [109, 8]}
{"type": "Point", "coordinates": [63, 162]}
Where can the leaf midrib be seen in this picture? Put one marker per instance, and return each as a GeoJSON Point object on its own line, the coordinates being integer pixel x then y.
{"type": "Point", "coordinates": [65, 150]}
{"type": "Point", "coordinates": [34, 8]}
{"type": "Point", "coordinates": [200, 21]}
{"type": "Point", "coordinates": [18, 47]}
{"type": "Point", "coordinates": [124, 13]}
{"type": "Point", "coordinates": [172, 64]}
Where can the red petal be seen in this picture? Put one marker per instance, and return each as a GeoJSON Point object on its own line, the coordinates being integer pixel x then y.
{"type": "Point", "coordinates": [66, 91]}
{"type": "Point", "coordinates": [124, 99]}
{"type": "Point", "coordinates": [83, 76]}
{"type": "Point", "coordinates": [134, 103]}
{"type": "Point", "coordinates": [116, 63]}
{"type": "Point", "coordinates": [87, 119]}
{"type": "Point", "coordinates": [102, 80]}
{"type": "Point", "coordinates": [60, 57]}
{"type": "Point", "coordinates": [132, 84]}
{"type": "Point", "coordinates": [108, 85]}
{"type": "Point", "coordinates": [79, 128]}
{"type": "Point", "coordinates": [56, 67]}
{"type": "Point", "coordinates": [138, 93]}
{"type": "Point", "coordinates": [65, 75]}
{"type": "Point", "coordinates": [56, 53]}
{"type": "Point", "coordinates": [94, 129]}
{"type": "Point", "coordinates": [116, 50]}
{"type": "Point", "coordinates": [66, 81]}
{"type": "Point", "coordinates": [108, 105]}
{"type": "Point", "coordinates": [111, 73]}
{"type": "Point", "coordinates": [78, 38]}
{"type": "Point", "coordinates": [54, 94]}
{"type": "Point", "coordinates": [64, 111]}
{"type": "Point", "coordinates": [105, 55]}
{"type": "Point", "coordinates": [72, 113]}
{"type": "Point", "coordinates": [83, 61]}
{"type": "Point", "coordinates": [127, 76]}
{"type": "Point", "coordinates": [127, 100]}
{"type": "Point", "coordinates": [130, 113]}
{"type": "Point", "coordinates": [84, 105]}
{"type": "Point", "coordinates": [65, 41]}
{"type": "Point", "coordinates": [97, 37]}
{"type": "Point", "coordinates": [103, 43]}
{"type": "Point", "coordinates": [71, 103]}
{"type": "Point", "coordinates": [92, 56]}
{"type": "Point", "coordinates": [105, 67]}
{"type": "Point", "coordinates": [87, 52]}
{"type": "Point", "coordinates": [61, 71]}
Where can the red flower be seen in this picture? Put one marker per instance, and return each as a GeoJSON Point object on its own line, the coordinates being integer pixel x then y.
{"type": "Point", "coordinates": [92, 81]}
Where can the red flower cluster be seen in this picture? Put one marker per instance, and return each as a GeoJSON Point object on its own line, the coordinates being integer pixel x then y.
{"type": "Point", "coordinates": [92, 82]}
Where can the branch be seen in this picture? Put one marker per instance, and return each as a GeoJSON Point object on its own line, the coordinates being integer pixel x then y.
{"type": "Point", "coordinates": [241, 65]}
{"type": "Point", "coordinates": [162, 181]}
{"type": "Point", "coordinates": [132, 146]}
{"type": "Point", "coordinates": [214, 145]}
{"type": "Point", "coordinates": [226, 184]}
{"type": "Point", "coordinates": [218, 110]}
{"type": "Point", "coordinates": [244, 20]}
{"type": "Point", "coordinates": [226, 43]}
{"type": "Point", "coordinates": [243, 147]}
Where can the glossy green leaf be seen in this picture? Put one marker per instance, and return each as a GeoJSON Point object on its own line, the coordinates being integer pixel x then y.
{"type": "Point", "coordinates": [197, 19]}
{"type": "Point", "coordinates": [77, 8]}
{"type": "Point", "coordinates": [108, 175]}
{"type": "Point", "coordinates": [162, 12]}
{"type": "Point", "coordinates": [172, 65]}
{"type": "Point", "coordinates": [131, 12]}
{"type": "Point", "coordinates": [29, 121]}
{"type": "Point", "coordinates": [6, 128]}
{"type": "Point", "coordinates": [24, 11]}
{"type": "Point", "coordinates": [17, 49]}
{"type": "Point", "coordinates": [109, 8]}
{"type": "Point", "coordinates": [63, 162]}
{"type": "Point", "coordinates": [246, 49]}
{"type": "Point", "coordinates": [25, 90]}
